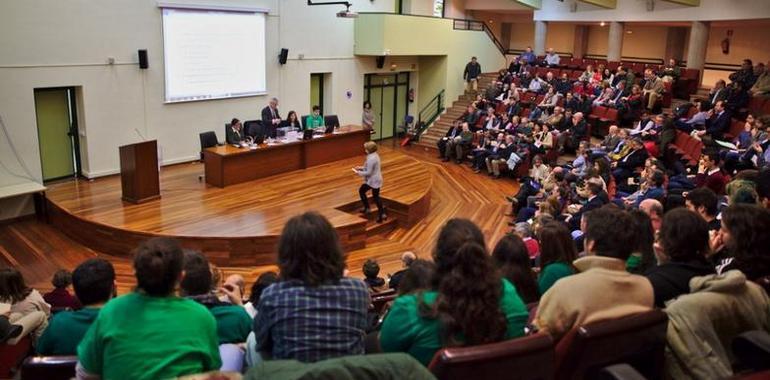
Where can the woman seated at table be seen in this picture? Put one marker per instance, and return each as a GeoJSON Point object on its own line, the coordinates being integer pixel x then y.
{"type": "Point", "coordinates": [292, 121]}
{"type": "Point", "coordinates": [315, 120]}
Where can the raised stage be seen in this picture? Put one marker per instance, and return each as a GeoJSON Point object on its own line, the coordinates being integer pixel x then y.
{"type": "Point", "coordinates": [237, 225]}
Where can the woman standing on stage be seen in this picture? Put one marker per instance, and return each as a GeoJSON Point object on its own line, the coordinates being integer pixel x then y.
{"type": "Point", "coordinates": [372, 180]}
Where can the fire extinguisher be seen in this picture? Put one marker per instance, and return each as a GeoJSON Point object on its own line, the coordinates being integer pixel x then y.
{"type": "Point", "coordinates": [726, 46]}
{"type": "Point", "coordinates": [410, 95]}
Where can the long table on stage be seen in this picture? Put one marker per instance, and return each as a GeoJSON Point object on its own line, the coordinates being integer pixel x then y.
{"type": "Point", "coordinates": [228, 165]}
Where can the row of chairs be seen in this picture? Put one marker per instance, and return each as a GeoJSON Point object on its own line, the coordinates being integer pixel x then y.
{"type": "Point", "coordinates": [687, 148]}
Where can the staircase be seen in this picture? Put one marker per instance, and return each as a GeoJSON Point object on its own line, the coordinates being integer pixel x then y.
{"type": "Point", "coordinates": [430, 137]}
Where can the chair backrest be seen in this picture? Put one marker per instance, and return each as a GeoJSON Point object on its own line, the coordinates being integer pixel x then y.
{"type": "Point", "coordinates": [332, 120]}
{"type": "Point", "coordinates": [524, 358]}
{"type": "Point", "coordinates": [303, 120]}
{"type": "Point", "coordinates": [681, 138]}
{"type": "Point", "coordinates": [612, 114]}
{"type": "Point", "coordinates": [49, 367]}
{"type": "Point", "coordinates": [253, 127]}
{"type": "Point", "coordinates": [637, 339]}
{"type": "Point", "coordinates": [208, 139]}
{"type": "Point", "coordinates": [599, 111]}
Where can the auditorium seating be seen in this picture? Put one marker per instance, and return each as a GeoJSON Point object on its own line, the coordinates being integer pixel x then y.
{"type": "Point", "coordinates": [208, 140]}
{"type": "Point", "coordinates": [12, 354]}
{"type": "Point", "coordinates": [637, 339]}
{"type": "Point", "coordinates": [49, 368]}
{"type": "Point", "coordinates": [687, 148]}
{"type": "Point", "coordinates": [524, 358]}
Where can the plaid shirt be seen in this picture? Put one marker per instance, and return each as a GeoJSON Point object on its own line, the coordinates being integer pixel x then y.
{"type": "Point", "coordinates": [309, 324]}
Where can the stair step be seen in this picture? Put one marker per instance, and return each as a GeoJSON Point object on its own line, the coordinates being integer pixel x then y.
{"type": "Point", "coordinates": [373, 228]}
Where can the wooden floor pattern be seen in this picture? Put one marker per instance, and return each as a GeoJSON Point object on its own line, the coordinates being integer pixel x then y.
{"type": "Point", "coordinates": [39, 249]}
{"type": "Point", "coordinates": [188, 207]}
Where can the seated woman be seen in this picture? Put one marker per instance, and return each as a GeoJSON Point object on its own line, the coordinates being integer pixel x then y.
{"type": "Point", "coordinates": [27, 307]}
{"type": "Point", "coordinates": [60, 297]}
{"type": "Point", "coordinates": [314, 120]}
{"type": "Point", "coordinates": [469, 303]}
{"type": "Point", "coordinates": [151, 333]}
{"type": "Point", "coordinates": [292, 120]}
{"type": "Point", "coordinates": [557, 252]}
{"type": "Point", "coordinates": [513, 259]}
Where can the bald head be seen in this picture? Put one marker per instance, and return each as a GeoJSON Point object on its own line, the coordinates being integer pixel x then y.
{"type": "Point", "coordinates": [236, 280]}
{"type": "Point", "coordinates": [651, 207]}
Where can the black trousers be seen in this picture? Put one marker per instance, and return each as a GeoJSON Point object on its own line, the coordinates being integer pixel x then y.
{"type": "Point", "coordinates": [375, 194]}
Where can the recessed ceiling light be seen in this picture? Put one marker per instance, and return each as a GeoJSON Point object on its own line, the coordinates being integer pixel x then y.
{"type": "Point", "coordinates": [601, 23]}
{"type": "Point", "coordinates": [629, 32]}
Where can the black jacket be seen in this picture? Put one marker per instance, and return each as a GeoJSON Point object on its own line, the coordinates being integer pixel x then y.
{"type": "Point", "coordinates": [267, 118]}
{"type": "Point", "coordinates": [718, 125]}
{"type": "Point", "coordinates": [634, 160]}
{"type": "Point", "coordinates": [233, 137]}
{"type": "Point", "coordinates": [672, 279]}
{"type": "Point", "coordinates": [472, 71]}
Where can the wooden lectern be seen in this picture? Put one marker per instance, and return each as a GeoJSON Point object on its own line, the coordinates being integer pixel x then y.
{"type": "Point", "coordinates": [139, 172]}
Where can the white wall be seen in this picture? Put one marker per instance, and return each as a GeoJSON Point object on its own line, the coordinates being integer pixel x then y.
{"type": "Point", "coordinates": [51, 43]}
{"type": "Point", "coordinates": [635, 10]}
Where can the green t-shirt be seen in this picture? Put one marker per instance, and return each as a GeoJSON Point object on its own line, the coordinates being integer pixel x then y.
{"type": "Point", "coordinates": [65, 331]}
{"type": "Point", "coordinates": [404, 330]}
{"type": "Point", "coordinates": [552, 273]}
{"type": "Point", "coordinates": [633, 262]}
{"type": "Point", "coordinates": [313, 121]}
{"type": "Point", "coordinates": [233, 323]}
{"type": "Point", "coordinates": [141, 337]}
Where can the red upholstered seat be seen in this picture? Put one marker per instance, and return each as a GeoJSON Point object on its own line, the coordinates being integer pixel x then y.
{"type": "Point", "coordinates": [525, 358]}
{"type": "Point", "coordinates": [638, 340]}
{"type": "Point", "coordinates": [12, 354]}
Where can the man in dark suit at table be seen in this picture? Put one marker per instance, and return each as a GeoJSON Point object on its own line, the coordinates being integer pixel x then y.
{"type": "Point", "coordinates": [234, 132]}
{"type": "Point", "coordinates": [270, 117]}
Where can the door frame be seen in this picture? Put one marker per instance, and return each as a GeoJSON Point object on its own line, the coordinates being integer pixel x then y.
{"type": "Point", "coordinates": [368, 86]}
{"type": "Point", "coordinates": [320, 90]}
{"type": "Point", "coordinates": [74, 131]}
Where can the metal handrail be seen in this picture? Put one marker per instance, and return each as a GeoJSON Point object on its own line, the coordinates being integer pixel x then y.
{"type": "Point", "coordinates": [429, 113]}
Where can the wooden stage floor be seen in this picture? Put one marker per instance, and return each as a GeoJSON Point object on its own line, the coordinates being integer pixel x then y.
{"type": "Point", "coordinates": [238, 224]}
{"type": "Point", "coordinates": [39, 249]}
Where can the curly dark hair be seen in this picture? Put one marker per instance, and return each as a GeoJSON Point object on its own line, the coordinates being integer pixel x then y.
{"type": "Point", "coordinates": [748, 226]}
{"type": "Point", "coordinates": [418, 277]}
{"type": "Point", "coordinates": [469, 287]}
{"type": "Point", "coordinates": [13, 289]}
{"type": "Point", "coordinates": [511, 256]}
{"type": "Point", "coordinates": [309, 251]}
{"type": "Point", "coordinates": [263, 281]}
{"type": "Point", "coordinates": [608, 229]}
{"type": "Point", "coordinates": [158, 265]}
{"type": "Point", "coordinates": [684, 236]}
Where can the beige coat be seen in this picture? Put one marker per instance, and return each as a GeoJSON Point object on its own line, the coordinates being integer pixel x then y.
{"type": "Point", "coordinates": [602, 290]}
{"type": "Point", "coordinates": [703, 323]}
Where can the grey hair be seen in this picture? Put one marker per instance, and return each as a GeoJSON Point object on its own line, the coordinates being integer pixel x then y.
{"type": "Point", "coordinates": [523, 228]}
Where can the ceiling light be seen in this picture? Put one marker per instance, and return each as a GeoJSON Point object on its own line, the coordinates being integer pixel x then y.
{"type": "Point", "coordinates": [601, 23]}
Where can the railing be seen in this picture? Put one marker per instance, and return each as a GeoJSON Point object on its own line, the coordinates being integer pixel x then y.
{"type": "Point", "coordinates": [429, 113]}
{"type": "Point", "coordinates": [464, 24]}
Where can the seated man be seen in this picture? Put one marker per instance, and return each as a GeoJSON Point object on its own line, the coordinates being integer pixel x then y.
{"type": "Point", "coordinates": [504, 152]}
{"type": "Point", "coordinates": [551, 58]}
{"type": "Point", "coordinates": [314, 120]}
{"type": "Point", "coordinates": [573, 301]}
{"type": "Point", "coordinates": [407, 258]}
{"type": "Point", "coordinates": [314, 313]}
{"type": "Point", "coordinates": [151, 333]}
{"type": "Point", "coordinates": [716, 125]}
{"type": "Point", "coordinates": [705, 203]}
{"type": "Point", "coordinates": [710, 174]}
{"type": "Point", "coordinates": [453, 132]}
{"type": "Point", "coordinates": [94, 283]}
{"type": "Point", "coordinates": [624, 168]}
{"type": "Point", "coordinates": [233, 322]}
{"type": "Point", "coordinates": [234, 132]}
{"type": "Point", "coordinates": [653, 88]}
{"type": "Point", "coordinates": [457, 144]}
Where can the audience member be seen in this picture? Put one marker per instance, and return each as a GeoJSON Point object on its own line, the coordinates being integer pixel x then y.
{"type": "Point", "coordinates": [704, 202]}
{"type": "Point", "coordinates": [174, 335]}
{"type": "Point", "coordinates": [684, 237]}
{"type": "Point", "coordinates": [469, 303]}
{"type": "Point", "coordinates": [25, 303]}
{"type": "Point", "coordinates": [263, 281]}
{"type": "Point", "coordinates": [524, 231]}
{"type": "Point", "coordinates": [417, 277]}
{"type": "Point", "coordinates": [512, 257]}
{"type": "Point", "coordinates": [233, 322]}
{"type": "Point", "coordinates": [573, 301]}
{"type": "Point", "coordinates": [407, 258]}
{"type": "Point", "coordinates": [744, 234]}
{"type": "Point", "coordinates": [60, 298]}
{"type": "Point", "coordinates": [471, 75]}
{"type": "Point", "coordinates": [642, 256]}
{"type": "Point", "coordinates": [371, 270]}
{"type": "Point", "coordinates": [94, 283]}
{"type": "Point", "coordinates": [313, 313]}
{"type": "Point", "coordinates": [710, 174]}
{"type": "Point", "coordinates": [557, 252]}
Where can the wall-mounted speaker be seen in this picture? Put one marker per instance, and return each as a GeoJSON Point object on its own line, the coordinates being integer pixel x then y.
{"type": "Point", "coordinates": [143, 63]}
{"type": "Point", "coordinates": [283, 56]}
{"type": "Point", "coordinates": [380, 61]}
